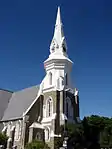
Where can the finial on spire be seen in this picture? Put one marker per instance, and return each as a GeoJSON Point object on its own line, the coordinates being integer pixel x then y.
{"type": "Point", "coordinates": [58, 19]}
{"type": "Point", "coordinates": [58, 43]}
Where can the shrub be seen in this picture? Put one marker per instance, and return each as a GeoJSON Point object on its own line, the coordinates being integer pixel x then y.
{"type": "Point", "coordinates": [36, 144]}
{"type": "Point", "coordinates": [58, 143]}
{"type": "Point", "coordinates": [3, 139]}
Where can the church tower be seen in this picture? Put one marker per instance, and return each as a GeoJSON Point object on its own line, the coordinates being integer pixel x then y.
{"type": "Point", "coordinates": [58, 65]}
{"type": "Point", "coordinates": [60, 100]}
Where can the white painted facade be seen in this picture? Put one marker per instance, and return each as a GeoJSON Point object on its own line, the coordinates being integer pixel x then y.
{"type": "Point", "coordinates": [58, 65]}
{"type": "Point", "coordinates": [58, 75]}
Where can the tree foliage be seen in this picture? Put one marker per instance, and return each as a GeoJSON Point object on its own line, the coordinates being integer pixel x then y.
{"type": "Point", "coordinates": [37, 144]}
{"type": "Point", "coordinates": [58, 142]}
{"type": "Point", "coordinates": [3, 139]}
{"type": "Point", "coordinates": [92, 133]}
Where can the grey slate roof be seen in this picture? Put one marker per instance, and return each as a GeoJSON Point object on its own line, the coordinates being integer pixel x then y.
{"type": "Point", "coordinates": [19, 103]}
{"type": "Point", "coordinates": [5, 96]}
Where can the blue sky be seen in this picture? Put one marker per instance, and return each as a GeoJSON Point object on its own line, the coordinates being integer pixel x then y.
{"type": "Point", "coordinates": [26, 29]}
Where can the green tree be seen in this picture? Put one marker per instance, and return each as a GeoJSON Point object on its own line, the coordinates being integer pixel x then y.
{"type": "Point", "coordinates": [86, 134]}
{"type": "Point", "coordinates": [36, 144]}
{"type": "Point", "coordinates": [58, 142]}
{"type": "Point", "coordinates": [93, 131]}
{"type": "Point", "coordinates": [3, 139]}
{"type": "Point", "coordinates": [76, 138]}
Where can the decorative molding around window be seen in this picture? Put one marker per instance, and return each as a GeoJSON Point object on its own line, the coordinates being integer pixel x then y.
{"type": "Point", "coordinates": [47, 134]}
{"type": "Point", "coordinates": [49, 107]}
{"type": "Point", "coordinates": [50, 78]}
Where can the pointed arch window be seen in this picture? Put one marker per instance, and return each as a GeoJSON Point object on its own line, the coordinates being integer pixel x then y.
{"type": "Point", "coordinates": [50, 78]}
{"type": "Point", "coordinates": [49, 107]}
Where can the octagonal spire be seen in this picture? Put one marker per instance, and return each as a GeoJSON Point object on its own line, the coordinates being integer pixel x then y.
{"type": "Point", "coordinates": [58, 44]}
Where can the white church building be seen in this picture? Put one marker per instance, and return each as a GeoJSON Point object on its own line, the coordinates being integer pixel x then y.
{"type": "Point", "coordinates": [38, 112]}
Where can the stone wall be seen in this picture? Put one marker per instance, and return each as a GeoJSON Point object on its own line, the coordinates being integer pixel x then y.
{"type": "Point", "coordinates": [14, 131]}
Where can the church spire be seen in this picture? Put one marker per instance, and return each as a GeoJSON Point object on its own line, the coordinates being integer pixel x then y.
{"type": "Point", "coordinates": [58, 44]}
{"type": "Point", "coordinates": [58, 19]}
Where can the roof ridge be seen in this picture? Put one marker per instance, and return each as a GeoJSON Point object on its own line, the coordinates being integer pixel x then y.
{"type": "Point", "coordinates": [6, 90]}
{"type": "Point", "coordinates": [26, 88]}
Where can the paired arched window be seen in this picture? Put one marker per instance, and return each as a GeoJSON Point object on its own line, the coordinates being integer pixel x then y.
{"type": "Point", "coordinates": [49, 107]}
{"type": "Point", "coordinates": [50, 78]}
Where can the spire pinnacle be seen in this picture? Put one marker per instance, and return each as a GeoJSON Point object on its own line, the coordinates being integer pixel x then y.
{"type": "Point", "coordinates": [58, 19]}
{"type": "Point", "coordinates": [58, 44]}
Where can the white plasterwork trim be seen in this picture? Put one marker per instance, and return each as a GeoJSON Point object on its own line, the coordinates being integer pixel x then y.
{"type": "Point", "coordinates": [46, 124]}
{"type": "Point", "coordinates": [49, 90]}
{"type": "Point", "coordinates": [36, 125]}
{"type": "Point", "coordinates": [13, 127]}
{"type": "Point", "coordinates": [4, 129]}
{"type": "Point", "coordinates": [49, 119]}
{"type": "Point", "coordinates": [47, 127]}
